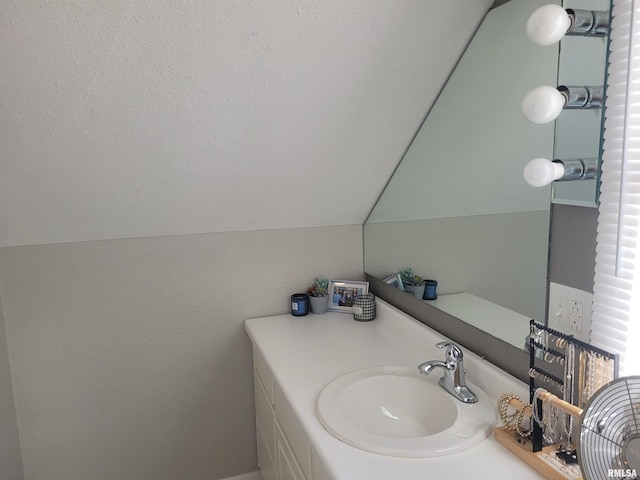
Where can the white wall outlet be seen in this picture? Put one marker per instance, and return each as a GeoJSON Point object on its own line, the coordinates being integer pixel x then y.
{"type": "Point", "coordinates": [570, 310]}
{"type": "Point", "coordinates": [575, 315]}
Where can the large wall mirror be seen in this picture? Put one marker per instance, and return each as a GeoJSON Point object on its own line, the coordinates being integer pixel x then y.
{"type": "Point", "coordinates": [457, 209]}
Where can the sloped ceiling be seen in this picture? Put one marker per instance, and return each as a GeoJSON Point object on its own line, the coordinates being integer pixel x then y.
{"type": "Point", "coordinates": [124, 119]}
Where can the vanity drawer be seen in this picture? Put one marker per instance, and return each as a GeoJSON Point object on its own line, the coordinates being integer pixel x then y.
{"type": "Point", "coordinates": [260, 365]}
{"type": "Point", "coordinates": [293, 431]}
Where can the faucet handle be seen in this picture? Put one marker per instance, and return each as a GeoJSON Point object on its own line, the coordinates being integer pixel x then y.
{"type": "Point", "coordinates": [454, 352]}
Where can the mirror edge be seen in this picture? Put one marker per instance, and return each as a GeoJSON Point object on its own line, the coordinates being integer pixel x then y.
{"type": "Point", "coordinates": [505, 356]}
{"type": "Point", "coordinates": [497, 3]}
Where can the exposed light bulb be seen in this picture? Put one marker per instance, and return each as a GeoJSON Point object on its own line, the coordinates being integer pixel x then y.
{"type": "Point", "coordinates": [540, 172]}
{"type": "Point", "coordinates": [543, 104]}
{"type": "Point", "coordinates": [548, 24]}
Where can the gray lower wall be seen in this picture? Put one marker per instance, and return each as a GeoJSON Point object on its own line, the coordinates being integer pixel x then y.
{"type": "Point", "coordinates": [129, 357]}
{"type": "Point", "coordinates": [10, 457]}
{"type": "Point", "coordinates": [572, 246]}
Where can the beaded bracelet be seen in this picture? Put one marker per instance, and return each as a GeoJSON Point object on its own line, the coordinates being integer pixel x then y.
{"type": "Point", "coordinates": [512, 421]}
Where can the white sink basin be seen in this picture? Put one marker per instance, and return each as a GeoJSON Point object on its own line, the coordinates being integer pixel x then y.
{"type": "Point", "coordinates": [395, 410]}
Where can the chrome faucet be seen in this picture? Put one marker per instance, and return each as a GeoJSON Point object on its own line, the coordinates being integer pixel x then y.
{"type": "Point", "coordinates": [453, 379]}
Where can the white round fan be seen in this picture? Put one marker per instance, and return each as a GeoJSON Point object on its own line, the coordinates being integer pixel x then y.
{"type": "Point", "coordinates": [609, 445]}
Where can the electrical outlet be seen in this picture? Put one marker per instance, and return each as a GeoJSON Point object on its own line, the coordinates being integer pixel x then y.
{"type": "Point", "coordinates": [570, 311]}
{"type": "Point", "coordinates": [575, 315]}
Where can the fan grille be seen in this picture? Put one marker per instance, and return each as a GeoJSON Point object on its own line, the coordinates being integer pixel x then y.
{"type": "Point", "coordinates": [610, 431]}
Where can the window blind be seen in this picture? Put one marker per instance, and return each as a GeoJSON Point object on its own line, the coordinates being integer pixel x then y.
{"type": "Point", "coordinates": [615, 322]}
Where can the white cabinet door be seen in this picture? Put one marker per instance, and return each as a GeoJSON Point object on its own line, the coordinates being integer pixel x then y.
{"type": "Point", "coordinates": [267, 465]}
{"type": "Point", "coordinates": [265, 416]}
{"type": "Point", "coordinates": [318, 469]}
{"type": "Point", "coordinates": [293, 431]}
{"type": "Point", "coordinates": [265, 433]}
{"type": "Point", "coordinates": [288, 468]}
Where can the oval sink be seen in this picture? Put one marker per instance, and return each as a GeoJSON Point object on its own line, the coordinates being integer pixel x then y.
{"type": "Point", "coordinates": [395, 410]}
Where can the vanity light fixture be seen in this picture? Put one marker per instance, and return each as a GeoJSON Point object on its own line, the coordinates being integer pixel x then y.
{"type": "Point", "coordinates": [543, 104]}
{"type": "Point", "coordinates": [549, 23]}
{"type": "Point", "coordinates": [540, 171]}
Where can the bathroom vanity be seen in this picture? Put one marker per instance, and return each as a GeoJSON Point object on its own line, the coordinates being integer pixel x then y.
{"type": "Point", "coordinates": [296, 357]}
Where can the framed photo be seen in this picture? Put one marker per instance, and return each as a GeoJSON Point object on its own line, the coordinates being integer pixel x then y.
{"type": "Point", "coordinates": [395, 280]}
{"type": "Point", "coordinates": [342, 293]}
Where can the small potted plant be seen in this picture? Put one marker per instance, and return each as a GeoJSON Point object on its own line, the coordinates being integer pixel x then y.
{"type": "Point", "coordinates": [414, 284]}
{"type": "Point", "coordinates": [319, 295]}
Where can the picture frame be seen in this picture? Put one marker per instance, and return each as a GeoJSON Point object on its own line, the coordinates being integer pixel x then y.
{"type": "Point", "coordinates": [342, 293]}
{"type": "Point", "coordinates": [395, 280]}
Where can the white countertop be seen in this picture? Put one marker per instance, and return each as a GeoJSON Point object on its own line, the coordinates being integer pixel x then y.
{"type": "Point", "coordinates": [306, 353]}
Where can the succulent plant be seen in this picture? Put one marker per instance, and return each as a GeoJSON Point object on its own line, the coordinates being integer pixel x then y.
{"type": "Point", "coordinates": [320, 287]}
{"type": "Point", "coordinates": [409, 278]}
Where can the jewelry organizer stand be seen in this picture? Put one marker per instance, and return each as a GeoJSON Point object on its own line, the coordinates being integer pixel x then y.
{"type": "Point", "coordinates": [544, 459]}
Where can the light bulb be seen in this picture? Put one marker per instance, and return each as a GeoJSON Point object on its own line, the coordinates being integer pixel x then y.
{"type": "Point", "coordinates": [540, 172]}
{"type": "Point", "coordinates": [548, 24]}
{"type": "Point", "coordinates": [543, 104]}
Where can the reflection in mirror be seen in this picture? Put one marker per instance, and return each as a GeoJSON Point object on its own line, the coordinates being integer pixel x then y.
{"type": "Point", "coordinates": [578, 132]}
{"type": "Point", "coordinates": [458, 209]}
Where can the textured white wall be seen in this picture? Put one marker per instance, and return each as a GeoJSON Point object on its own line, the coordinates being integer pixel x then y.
{"type": "Point", "coordinates": [10, 456]}
{"type": "Point", "coordinates": [128, 119]}
{"type": "Point", "coordinates": [129, 357]}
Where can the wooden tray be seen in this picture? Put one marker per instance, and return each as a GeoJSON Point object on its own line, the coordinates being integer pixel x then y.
{"type": "Point", "coordinates": [522, 448]}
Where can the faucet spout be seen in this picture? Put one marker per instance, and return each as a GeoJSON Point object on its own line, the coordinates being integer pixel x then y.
{"type": "Point", "coordinates": [453, 380]}
{"type": "Point", "coordinates": [427, 367]}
